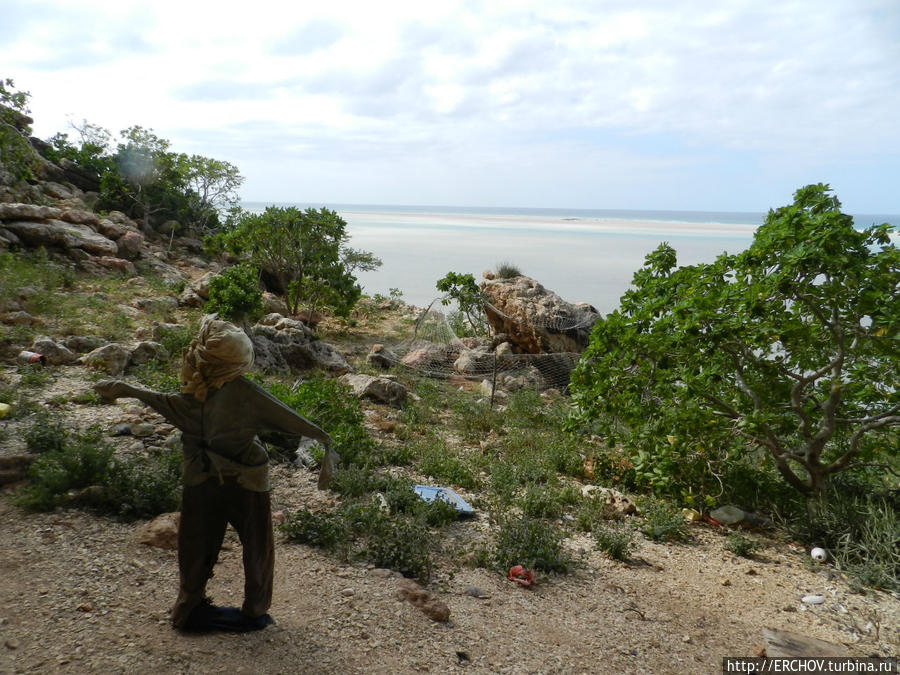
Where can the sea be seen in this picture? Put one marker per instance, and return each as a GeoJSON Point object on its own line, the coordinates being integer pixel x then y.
{"type": "Point", "coordinates": [583, 255]}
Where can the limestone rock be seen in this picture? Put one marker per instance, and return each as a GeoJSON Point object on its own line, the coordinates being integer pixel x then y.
{"type": "Point", "coordinates": [378, 389]}
{"type": "Point", "coordinates": [58, 233]}
{"type": "Point", "coordinates": [534, 319]}
{"type": "Point", "coordinates": [611, 497]}
{"type": "Point", "coordinates": [129, 245]}
{"type": "Point", "coordinates": [282, 344]}
{"type": "Point", "coordinates": [381, 356]}
{"type": "Point", "coordinates": [80, 217]}
{"type": "Point", "coordinates": [476, 361]}
{"type": "Point", "coordinates": [148, 351]}
{"type": "Point", "coordinates": [17, 211]}
{"type": "Point", "coordinates": [55, 354]}
{"type": "Point", "coordinates": [161, 532]}
{"type": "Point", "coordinates": [83, 344]}
{"type": "Point", "coordinates": [112, 358]}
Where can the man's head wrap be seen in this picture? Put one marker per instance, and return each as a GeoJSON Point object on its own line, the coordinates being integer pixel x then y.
{"type": "Point", "coordinates": [220, 353]}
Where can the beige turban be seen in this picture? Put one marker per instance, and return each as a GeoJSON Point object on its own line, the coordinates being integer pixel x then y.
{"type": "Point", "coordinates": [220, 353]}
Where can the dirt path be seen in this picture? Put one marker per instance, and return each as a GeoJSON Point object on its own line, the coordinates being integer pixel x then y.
{"type": "Point", "coordinates": [78, 594]}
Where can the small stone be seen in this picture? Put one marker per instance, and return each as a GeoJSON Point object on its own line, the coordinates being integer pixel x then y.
{"type": "Point", "coordinates": [382, 573]}
{"type": "Point", "coordinates": [348, 592]}
{"type": "Point", "coordinates": [476, 592]}
{"type": "Point", "coordinates": [85, 607]}
{"type": "Point", "coordinates": [12, 643]}
{"type": "Point", "coordinates": [686, 639]}
{"type": "Point", "coordinates": [813, 599]}
{"type": "Point", "coordinates": [142, 430]}
{"type": "Point", "coordinates": [726, 582]}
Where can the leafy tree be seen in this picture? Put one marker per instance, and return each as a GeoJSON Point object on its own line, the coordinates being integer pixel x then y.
{"type": "Point", "coordinates": [302, 253]}
{"type": "Point", "coordinates": [462, 289]}
{"type": "Point", "coordinates": [146, 181]}
{"type": "Point", "coordinates": [16, 155]}
{"type": "Point", "coordinates": [790, 347]}
{"type": "Point", "coordinates": [91, 152]}
{"type": "Point", "coordinates": [235, 293]}
{"type": "Point", "coordinates": [211, 186]}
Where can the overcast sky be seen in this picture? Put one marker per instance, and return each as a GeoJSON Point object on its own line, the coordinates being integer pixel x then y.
{"type": "Point", "coordinates": [668, 104]}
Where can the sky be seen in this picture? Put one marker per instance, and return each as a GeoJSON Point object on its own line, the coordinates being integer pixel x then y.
{"type": "Point", "coordinates": [727, 105]}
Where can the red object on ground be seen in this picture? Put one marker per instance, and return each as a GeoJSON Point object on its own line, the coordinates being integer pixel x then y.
{"type": "Point", "coordinates": [521, 576]}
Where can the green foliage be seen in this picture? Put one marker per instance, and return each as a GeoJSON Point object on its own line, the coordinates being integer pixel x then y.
{"type": "Point", "coordinates": [859, 524]}
{"type": "Point", "coordinates": [741, 545]}
{"type": "Point", "coordinates": [541, 502]}
{"type": "Point", "coordinates": [789, 346]}
{"type": "Point", "coordinates": [76, 468]}
{"type": "Point", "coordinates": [162, 376]}
{"type": "Point", "coordinates": [144, 488]}
{"type": "Point", "coordinates": [662, 522]}
{"type": "Point", "coordinates": [532, 543]}
{"type": "Point", "coordinates": [506, 270]}
{"type": "Point", "coordinates": [302, 255]}
{"type": "Point", "coordinates": [333, 407]}
{"type": "Point", "coordinates": [16, 155]}
{"type": "Point", "coordinates": [617, 541]}
{"type": "Point", "coordinates": [462, 289]}
{"type": "Point", "coordinates": [45, 434]}
{"type": "Point", "coordinates": [235, 294]}
{"type": "Point", "coordinates": [439, 462]}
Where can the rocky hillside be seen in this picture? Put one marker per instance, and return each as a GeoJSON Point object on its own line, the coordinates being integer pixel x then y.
{"type": "Point", "coordinates": [97, 294]}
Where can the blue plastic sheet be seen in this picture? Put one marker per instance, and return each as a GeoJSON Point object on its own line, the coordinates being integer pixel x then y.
{"type": "Point", "coordinates": [429, 494]}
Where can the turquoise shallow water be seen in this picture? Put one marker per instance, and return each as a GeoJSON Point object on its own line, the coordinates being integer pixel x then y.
{"type": "Point", "coordinates": [583, 255]}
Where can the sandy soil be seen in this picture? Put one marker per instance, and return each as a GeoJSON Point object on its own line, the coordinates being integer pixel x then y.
{"type": "Point", "coordinates": [79, 594]}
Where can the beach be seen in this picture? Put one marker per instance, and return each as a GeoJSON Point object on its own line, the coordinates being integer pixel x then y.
{"type": "Point", "coordinates": [582, 258]}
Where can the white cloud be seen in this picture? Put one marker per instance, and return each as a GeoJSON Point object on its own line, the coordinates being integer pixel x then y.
{"type": "Point", "coordinates": [797, 84]}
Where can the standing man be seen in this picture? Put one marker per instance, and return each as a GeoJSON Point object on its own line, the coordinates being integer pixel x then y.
{"type": "Point", "coordinates": [226, 471]}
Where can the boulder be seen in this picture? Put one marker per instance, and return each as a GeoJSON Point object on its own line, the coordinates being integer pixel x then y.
{"type": "Point", "coordinates": [614, 499]}
{"type": "Point", "coordinates": [381, 356]}
{"type": "Point", "coordinates": [161, 532]}
{"type": "Point", "coordinates": [475, 361]}
{"type": "Point", "coordinates": [17, 211]}
{"type": "Point", "coordinates": [190, 298]}
{"type": "Point", "coordinates": [112, 358]}
{"type": "Point", "coordinates": [282, 344]}
{"type": "Point", "coordinates": [379, 389]}
{"type": "Point", "coordinates": [129, 245]}
{"type": "Point", "coordinates": [80, 217]}
{"type": "Point", "coordinates": [200, 286]}
{"type": "Point", "coordinates": [111, 264]}
{"type": "Point", "coordinates": [536, 320]}
{"type": "Point", "coordinates": [148, 351]}
{"type": "Point", "coordinates": [83, 344]}
{"type": "Point", "coordinates": [54, 353]}
{"type": "Point", "coordinates": [58, 233]}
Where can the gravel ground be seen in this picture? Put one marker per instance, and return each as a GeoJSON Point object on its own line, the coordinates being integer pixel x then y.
{"type": "Point", "coordinates": [79, 594]}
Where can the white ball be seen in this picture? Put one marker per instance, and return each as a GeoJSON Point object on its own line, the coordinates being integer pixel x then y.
{"type": "Point", "coordinates": [819, 554]}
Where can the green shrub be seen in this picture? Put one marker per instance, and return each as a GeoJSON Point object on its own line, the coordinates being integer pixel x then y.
{"type": "Point", "coordinates": [144, 488]}
{"type": "Point", "coordinates": [162, 376]}
{"type": "Point", "coordinates": [333, 407]}
{"type": "Point", "coordinates": [541, 502]}
{"type": "Point", "coordinates": [474, 418]}
{"type": "Point", "coordinates": [507, 270]}
{"type": "Point", "coordinates": [77, 468]}
{"type": "Point", "coordinates": [859, 524]}
{"type": "Point", "coordinates": [46, 433]}
{"type": "Point", "coordinates": [616, 542]}
{"type": "Point", "coordinates": [402, 545]}
{"type": "Point", "coordinates": [80, 461]}
{"type": "Point", "coordinates": [235, 294]}
{"type": "Point", "coordinates": [532, 543]}
{"type": "Point", "coordinates": [324, 530]}
{"type": "Point", "coordinates": [741, 545]}
{"type": "Point", "coordinates": [662, 522]}
{"type": "Point", "coordinates": [437, 460]}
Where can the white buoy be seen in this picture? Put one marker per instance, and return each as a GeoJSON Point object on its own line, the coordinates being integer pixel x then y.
{"type": "Point", "coordinates": [819, 554]}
